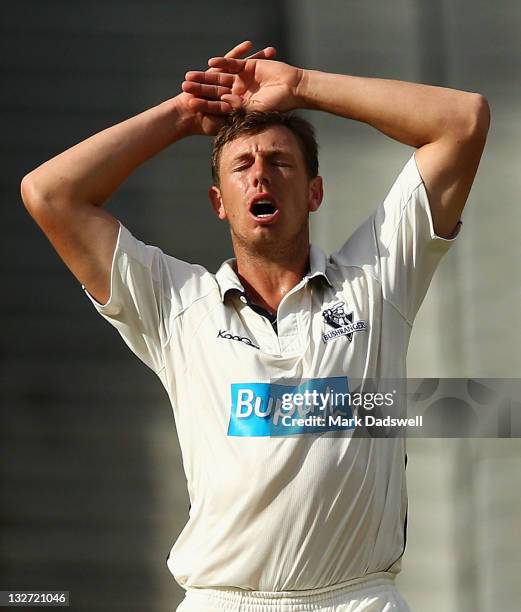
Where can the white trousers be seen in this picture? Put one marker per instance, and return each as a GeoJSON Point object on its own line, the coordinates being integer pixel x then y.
{"type": "Point", "coordinates": [375, 593]}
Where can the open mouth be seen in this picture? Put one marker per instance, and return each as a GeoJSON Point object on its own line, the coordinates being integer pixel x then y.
{"type": "Point", "coordinates": [263, 209]}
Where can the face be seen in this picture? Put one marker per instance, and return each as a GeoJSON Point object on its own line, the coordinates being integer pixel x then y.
{"type": "Point", "coordinates": [265, 192]}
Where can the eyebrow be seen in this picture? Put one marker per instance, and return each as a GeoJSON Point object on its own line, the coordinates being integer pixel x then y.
{"type": "Point", "coordinates": [270, 153]}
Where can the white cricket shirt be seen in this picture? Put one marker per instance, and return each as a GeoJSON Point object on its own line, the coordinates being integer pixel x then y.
{"type": "Point", "coordinates": [276, 505]}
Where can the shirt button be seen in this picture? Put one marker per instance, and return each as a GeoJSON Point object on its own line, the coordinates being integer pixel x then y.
{"type": "Point", "coordinates": [243, 299]}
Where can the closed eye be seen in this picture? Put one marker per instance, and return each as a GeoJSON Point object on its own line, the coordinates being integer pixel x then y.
{"type": "Point", "coordinates": [241, 167]}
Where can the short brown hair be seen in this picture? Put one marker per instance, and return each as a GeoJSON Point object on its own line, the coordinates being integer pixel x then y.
{"type": "Point", "coordinates": [240, 122]}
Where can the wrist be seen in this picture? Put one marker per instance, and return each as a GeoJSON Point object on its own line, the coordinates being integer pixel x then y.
{"type": "Point", "coordinates": [302, 89]}
{"type": "Point", "coordinates": [317, 90]}
{"type": "Point", "coordinates": [181, 116]}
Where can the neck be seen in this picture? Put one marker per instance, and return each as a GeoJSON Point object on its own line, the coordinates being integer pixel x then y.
{"type": "Point", "coordinates": [268, 276]}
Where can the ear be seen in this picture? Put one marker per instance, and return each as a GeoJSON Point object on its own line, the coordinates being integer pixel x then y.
{"type": "Point", "coordinates": [316, 193]}
{"type": "Point", "coordinates": [214, 194]}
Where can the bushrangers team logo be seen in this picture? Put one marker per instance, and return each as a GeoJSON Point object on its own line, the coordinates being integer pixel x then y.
{"type": "Point", "coordinates": [341, 322]}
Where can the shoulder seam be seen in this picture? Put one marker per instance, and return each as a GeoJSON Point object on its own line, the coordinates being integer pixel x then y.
{"type": "Point", "coordinates": [183, 310]}
{"type": "Point", "coordinates": [402, 210]}
{"type": "Point", "coordinates": [373, 276]}
{"type": "Point", "coordinates": [398, 311]}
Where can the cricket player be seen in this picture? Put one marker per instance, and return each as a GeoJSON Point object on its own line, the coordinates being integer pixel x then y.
{"type": "Point", "coordinates": [290, 510]}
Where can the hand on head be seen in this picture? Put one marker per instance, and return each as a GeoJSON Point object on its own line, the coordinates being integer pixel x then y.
{"type": "Point", "coordinates": [253, 83]}
{"type": "Point", "coordinates": [202, 91]}
{"type": "Point", "coordinates": [259, 84]}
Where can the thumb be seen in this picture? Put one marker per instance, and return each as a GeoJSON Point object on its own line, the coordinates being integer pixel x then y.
{"type": "Point", "coordinates": [233, 100]}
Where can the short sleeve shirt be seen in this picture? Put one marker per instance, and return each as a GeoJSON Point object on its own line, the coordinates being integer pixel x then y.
{"type": "Point", "coordinates": [277, 505]}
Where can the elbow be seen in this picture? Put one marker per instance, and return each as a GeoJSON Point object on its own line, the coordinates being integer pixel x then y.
{"type": "Point", "coordinates": [470, 122]}
{"type": "Point", "coordinates": [30, 194]}
{"type": "Point", "coordinates": [477, 118]}
{"type": "Point", "coordinates": [39, 201]}
{"type": "Point", "coordinates": [482, 114]}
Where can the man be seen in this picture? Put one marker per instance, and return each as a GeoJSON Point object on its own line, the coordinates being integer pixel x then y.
{"type": "Point", "coordinates": [283, 511]}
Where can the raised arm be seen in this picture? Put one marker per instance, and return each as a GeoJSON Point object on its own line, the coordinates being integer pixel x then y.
{"type": "Point", "coordinates": [66, 194]}
{"type": "Point", "coordinates": [447, 126]}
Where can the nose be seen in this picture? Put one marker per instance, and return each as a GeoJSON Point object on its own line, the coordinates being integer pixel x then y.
{"type": "Point", "coordinates": [260, 174]}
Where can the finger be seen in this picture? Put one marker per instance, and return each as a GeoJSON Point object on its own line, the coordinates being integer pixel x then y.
{"type": "Point", "coordinates": [227, 64]}
{"type": "Point", "coordinates": [266, 53]}
{"type": "Point", "coordinates": [240, 49]}
{"type": "Point", "coordinates": [210, 78]}
{"type": "Point", "coordinates": [209, 107]}
{"type": "Point", "coordinates": [212, 92]}
{"type": "Point", "coordinates": [237, 51]}
{"type": "Point", "coordinates": [243, 48]}
{"type": "Point", "coordinates": [233, 100]}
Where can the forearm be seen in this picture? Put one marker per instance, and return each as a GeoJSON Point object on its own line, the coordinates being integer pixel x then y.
{"type": "Point", "coordinates": [92, 170]}
{"type": "Point", "coordinates": [411, 113]}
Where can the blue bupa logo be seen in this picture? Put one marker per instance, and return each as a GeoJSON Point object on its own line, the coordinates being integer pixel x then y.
{"type": "Point", "coordinates": [316, 405]}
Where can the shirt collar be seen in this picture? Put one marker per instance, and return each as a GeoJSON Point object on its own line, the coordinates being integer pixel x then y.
{"type": "Point", "coordinates": [228, 280]}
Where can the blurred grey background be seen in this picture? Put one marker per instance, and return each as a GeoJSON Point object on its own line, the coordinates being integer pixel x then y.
{"type": "Point", "coordinates": [92, 488]}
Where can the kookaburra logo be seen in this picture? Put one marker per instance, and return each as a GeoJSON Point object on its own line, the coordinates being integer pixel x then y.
{"type": "Point", "coordinates": [341, 322]}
